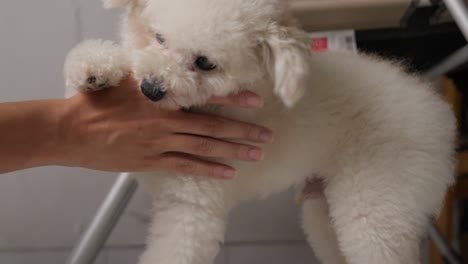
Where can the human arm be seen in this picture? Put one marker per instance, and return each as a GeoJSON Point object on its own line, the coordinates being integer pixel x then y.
{"type": "Point", "coordinates": [117, 130]}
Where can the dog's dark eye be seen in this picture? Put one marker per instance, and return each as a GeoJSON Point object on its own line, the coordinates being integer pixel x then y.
{"type": "Point", "coordinates": [160, 38]}
{"type": "Point", "coordinates": [204, 64]}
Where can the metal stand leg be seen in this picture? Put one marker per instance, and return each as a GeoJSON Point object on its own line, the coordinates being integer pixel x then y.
{"type": "Point", "coordinates": [458, 58]}
{"type": "Point", "coordinates": [97, 233]}
{"type": "Point", "coordinates": [449, 255]}
{"type": "Point", "coordinates": [459, 12]}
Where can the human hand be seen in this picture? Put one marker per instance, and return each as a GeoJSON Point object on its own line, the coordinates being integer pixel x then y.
{"type": "Point", "coordinates": [119, 130]}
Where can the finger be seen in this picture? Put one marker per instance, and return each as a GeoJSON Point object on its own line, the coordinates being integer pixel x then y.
{"type": "Point", "coordinates": [209, 147]}
{"type": "Point", "coordinates": [243, 99]}
{"type": "Point", "coordinates": [219, 127]}
{"type": "Point", "coordinates": [190, 165]}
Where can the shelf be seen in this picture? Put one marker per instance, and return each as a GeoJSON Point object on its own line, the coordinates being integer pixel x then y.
{"type": "Point", "coordinates": [319, 15]}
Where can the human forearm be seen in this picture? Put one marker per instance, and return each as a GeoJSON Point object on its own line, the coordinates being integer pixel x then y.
{"type": "Point", "coordinates": [29, 134]}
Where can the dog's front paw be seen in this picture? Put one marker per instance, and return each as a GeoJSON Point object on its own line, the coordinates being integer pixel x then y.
{"type": "Point", "coordinates": [94, 83]}
{"type": "Point", "coordinates": [95, 65]}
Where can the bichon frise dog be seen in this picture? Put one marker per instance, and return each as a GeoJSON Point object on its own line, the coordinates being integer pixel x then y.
{"type": "Point", "coordinates": [376, 142]}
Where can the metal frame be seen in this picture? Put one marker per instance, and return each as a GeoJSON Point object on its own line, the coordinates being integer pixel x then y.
{"type": "Point", "coordinates": [459, 11]}
{"type": "Point", "coordinates": [88, 247]}
{"type": "Point", "coordinates": [112, 208]}
{"type": "Point", "coordinates": [453, 61]}
{"type": "Point", "coordinates": [449, 255]}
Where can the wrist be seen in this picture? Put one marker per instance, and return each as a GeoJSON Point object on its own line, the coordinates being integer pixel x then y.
{"type": "Point", "coordinates": [51, 148]}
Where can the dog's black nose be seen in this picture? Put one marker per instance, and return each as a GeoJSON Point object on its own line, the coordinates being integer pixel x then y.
{"type": "Point", "coordinates": [154, 90]}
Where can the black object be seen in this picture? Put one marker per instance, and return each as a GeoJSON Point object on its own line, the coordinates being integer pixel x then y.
{"type": "Point", "coordinates": [422, 16]}
{"type": "Point", "coordinates": [419, 47]}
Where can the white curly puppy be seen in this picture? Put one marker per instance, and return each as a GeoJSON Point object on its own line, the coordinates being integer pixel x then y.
{"type": "Point", "coordinates": [378, 141]}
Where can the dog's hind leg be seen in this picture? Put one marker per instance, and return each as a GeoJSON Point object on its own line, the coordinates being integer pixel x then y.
{"type": "Point", "coordinates": [316, 224]}
{"type": "Point", "coordinates": [188, 220]}
{"type": "Point", "coordinates": [378, 218]}
{"type": "Point", "coordinates": [95, 65]}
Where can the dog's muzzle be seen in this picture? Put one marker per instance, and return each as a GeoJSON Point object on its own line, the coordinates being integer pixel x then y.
{"type": "Point", "coordinates": [154, 90]}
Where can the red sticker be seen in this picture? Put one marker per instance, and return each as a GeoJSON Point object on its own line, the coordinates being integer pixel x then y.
{"type": "Point", "coordinates": [319, 44]}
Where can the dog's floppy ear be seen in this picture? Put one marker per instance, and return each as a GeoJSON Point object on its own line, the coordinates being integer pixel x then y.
{"type": "Point", "coordinates": [116, 3]}
{"type": "Point", "coordinates": [288, 59]}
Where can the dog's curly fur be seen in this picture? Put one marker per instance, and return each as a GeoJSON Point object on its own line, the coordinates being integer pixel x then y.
{"type": "Point", "coordinates": [379, 140]}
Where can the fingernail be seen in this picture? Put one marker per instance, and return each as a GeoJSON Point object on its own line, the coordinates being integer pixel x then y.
{"type": "Point", "coordinates": [254, 101]}
{"type": "Point", "coordinates": [266, 136]}
{"type": "Point", "coordinates": [229, 173]}
{"type": "Point", "coordinates": [255, 154]}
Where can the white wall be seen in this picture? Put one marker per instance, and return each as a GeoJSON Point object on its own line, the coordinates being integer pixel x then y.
{"type": "Point", "coordinates": [44, 210]}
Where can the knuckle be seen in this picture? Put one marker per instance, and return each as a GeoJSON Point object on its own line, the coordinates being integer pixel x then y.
{"type": "Point", "coordinates": [160, 145]}
{"type": "Point", "coordinates": [239, 99]}
{"type": "Point", "coordinates": [160, 121]}
{"type": "Point", "coordinates": [241, 152]}
{"type": "Point", "coordinates": [214, 126]}
{"type": "Point", "coordinates": [185, 166]}
{"type": "Point", "coordinates": [213, 172]}
{"type": "Point", "coordinates": [252, 132]}
{"type": "Point", "coordinates": [210, 127]}
{"type": "Point", "coordinates": [204, 146]}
